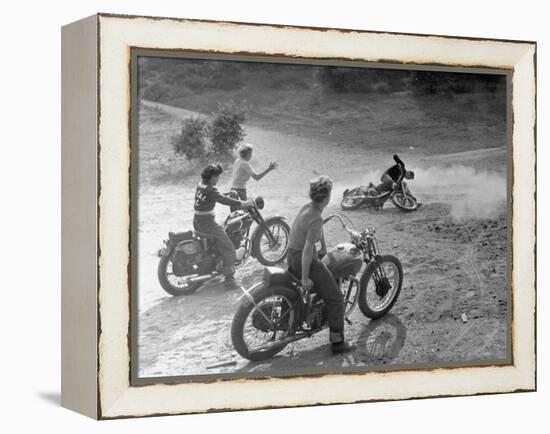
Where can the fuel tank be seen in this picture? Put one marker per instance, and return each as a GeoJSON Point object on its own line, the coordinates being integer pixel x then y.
{"type": "Point", "coordinates": [343, 260]}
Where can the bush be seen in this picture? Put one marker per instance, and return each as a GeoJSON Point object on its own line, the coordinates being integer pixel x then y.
{"type": "Point", "coordinates": [226, 130]}
{"type": "Point", "coordinates": [191, 141]}
{"type": "Point", "coordinates": [365, 80]}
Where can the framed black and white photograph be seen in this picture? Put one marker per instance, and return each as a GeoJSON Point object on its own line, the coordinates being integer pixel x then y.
{"type": "Point", "coordinates": [286, 216]}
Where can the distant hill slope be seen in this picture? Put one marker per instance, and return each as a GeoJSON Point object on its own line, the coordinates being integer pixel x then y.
{"type": "Point", "coordinates": [396, 126]}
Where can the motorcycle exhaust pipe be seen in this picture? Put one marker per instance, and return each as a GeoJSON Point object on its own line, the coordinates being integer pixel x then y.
{"type": "Point", "coordinates": [293, 338]}
{"type": "Point", "coordinates": [201, 278]}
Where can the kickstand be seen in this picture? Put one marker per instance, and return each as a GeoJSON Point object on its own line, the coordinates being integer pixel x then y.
{"type": "Point", "coordinates": [348, 321]}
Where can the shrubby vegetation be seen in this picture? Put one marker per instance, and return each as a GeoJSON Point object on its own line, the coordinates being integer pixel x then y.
{"type": "Point", "coordinates": [191, 142]}
{"type": "Point", "coordinates": [447, 83]}
{"type": "Point", "coordinates": [225, 130]}
{"type": "Point", "coordinates": [216, 137]}
{"type": "Point", "coordinates": [172, 80]}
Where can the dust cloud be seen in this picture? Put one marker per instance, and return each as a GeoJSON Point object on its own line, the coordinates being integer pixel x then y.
{"type": "Point", "coordinates": [470, 193]}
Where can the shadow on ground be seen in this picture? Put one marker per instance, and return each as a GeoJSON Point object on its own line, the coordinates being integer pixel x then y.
{"type": "Point", "coordinates": [52, 398]}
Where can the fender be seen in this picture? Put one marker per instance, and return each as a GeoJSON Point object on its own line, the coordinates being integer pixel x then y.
{"type": "Point", "coordinates": [259, 228]}
{"type": "Point", "coordinates": [249, 297]}
{"type": "Point", "coordinates": [167, 250]}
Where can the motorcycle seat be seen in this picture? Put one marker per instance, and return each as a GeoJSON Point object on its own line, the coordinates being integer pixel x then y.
{"type": "Point", "coordinates": [177, 237]}
{"type": "Point", "coordinates": [278, 276]}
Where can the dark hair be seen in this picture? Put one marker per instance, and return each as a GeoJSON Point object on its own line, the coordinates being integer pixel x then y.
{"type": "Point", "coordinates": [320, 188]}
{"type": "Point", "coordinates": [210, 171]}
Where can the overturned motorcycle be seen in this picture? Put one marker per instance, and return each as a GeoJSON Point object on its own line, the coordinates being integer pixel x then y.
{"type": "Point", "coordinates": [277, 310]}
{"type": "Point", "coordinates": [370, 197]}
{"type": "Point", "coordinates": [190, 258]}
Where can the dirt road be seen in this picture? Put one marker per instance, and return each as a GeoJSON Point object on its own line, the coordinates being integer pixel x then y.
{"type": "Point", "coordinates": [453, 265]}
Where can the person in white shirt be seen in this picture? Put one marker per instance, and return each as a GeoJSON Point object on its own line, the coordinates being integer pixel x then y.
{"type": "Point", "coordinates": [243, 171]}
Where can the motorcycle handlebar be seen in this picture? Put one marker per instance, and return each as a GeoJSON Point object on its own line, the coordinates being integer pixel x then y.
{"type": "Point", "coordinates": [341, 219]}
{"type": "Point", "coordinates": [354, 234]}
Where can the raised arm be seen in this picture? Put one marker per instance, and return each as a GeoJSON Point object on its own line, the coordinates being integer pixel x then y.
{"type": "Point", "coordinates": [399, 161]}
{"type": "Point", "coordinates": [401, 166]}
{"type": "Point", "coordinates": [258, 176]}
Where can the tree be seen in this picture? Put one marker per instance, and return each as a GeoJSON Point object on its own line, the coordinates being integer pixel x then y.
{"type": "Point", "coordinates": [191, 141]}
{"type": "Point", "coordinates": [225, 130]}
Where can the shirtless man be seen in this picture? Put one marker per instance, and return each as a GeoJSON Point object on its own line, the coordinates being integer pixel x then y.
{"type": "Point", "coordinates": [306, 231]}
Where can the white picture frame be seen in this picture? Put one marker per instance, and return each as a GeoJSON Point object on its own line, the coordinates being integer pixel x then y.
{"type": "Point", "coordinates": [96, 296]}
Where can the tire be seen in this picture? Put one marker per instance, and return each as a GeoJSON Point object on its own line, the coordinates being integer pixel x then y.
{"type": "Point", "coordinates": [368, 310]}
{"type": "Point", "coordinates": [257, 242]}
{"type": "Point", "coordinates": [404, 202]}
{"type": "Point", "coordinates": [167, 286]}
{"type": "Point", "coordinates": [243, 312]}
{"type": "Point", "coordinates": [350, 204]}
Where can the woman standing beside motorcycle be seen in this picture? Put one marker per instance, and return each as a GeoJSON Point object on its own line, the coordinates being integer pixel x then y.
{"type": "Point", "coordinates": [206, 197]}
{"type": "Point", "coordinates": [306, 231]}
{"type": "Point", "coordinates": [243, 171]}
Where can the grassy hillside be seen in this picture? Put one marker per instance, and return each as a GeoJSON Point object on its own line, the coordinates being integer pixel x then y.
{"type": "Point", "coordinates": [383, 110]}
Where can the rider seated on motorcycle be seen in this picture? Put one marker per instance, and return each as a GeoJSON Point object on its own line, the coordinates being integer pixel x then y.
{"type": "Point", "coordinates": [303, 259]}
{"type": "Point", "coordinates": [206, 196]}
{"type": "Point", "coordinates": [394, 175]}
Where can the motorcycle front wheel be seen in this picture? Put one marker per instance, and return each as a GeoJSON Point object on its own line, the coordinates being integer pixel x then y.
{"type": "Point", "coordinates": [380, 286]}
{"type": "Point", "coordinates": [172, 284]}
{"type": "Point", "coordinates": [263, 320]}
{"type": "Point", "coordinates": [269, 251]}
{"type": "Point", "coordinates": [404, 202]}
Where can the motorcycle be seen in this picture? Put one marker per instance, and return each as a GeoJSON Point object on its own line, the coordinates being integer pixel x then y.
{"type": "Point", "coordinates": [188, 259]}
{"type": "Point", "coordinates": [370, 197]}
{"type": "Point", "coordinates": [277, 311]}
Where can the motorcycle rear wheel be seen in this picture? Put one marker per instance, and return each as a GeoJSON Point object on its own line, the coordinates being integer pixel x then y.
{"type": "Point", "coordinates": [368, 294]}
{"type": "Point", "coordinates": [265, 300]}
{"type": "Point", "coordinates": [350, 203]}
{"type": "Point", "coordinates": [404, 202]}
{"type": "Point", "coordinates": [169, 287]}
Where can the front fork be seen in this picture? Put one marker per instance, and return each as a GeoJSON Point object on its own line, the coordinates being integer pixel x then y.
{"type": "Point", "coordinates": [260, 220]}
{"type": "Point", "coordinates": [378, 275]}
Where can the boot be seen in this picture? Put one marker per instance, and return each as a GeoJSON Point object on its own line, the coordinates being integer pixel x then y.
{"type": "Point", "coordinates": [230, 283]}
{"type": "Point", "coordinates": [341, 347]}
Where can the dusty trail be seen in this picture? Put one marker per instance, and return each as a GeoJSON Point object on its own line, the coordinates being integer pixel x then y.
{"type": "Point", "coordinates": [450, 268]}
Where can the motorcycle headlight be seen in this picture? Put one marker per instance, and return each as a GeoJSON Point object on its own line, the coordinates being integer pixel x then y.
{"type": "Point", "coordinates": [259, 201]}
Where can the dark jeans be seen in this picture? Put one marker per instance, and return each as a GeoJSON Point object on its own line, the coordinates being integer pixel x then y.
{"type": "Point", "coordinates": [223, 245]}
{"type": "Point", "coordinates": [241, 195]}
{"type": "Point", "coordinates": [328, 290]}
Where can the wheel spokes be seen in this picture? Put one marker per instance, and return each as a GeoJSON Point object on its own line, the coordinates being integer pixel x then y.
{"type": "Point", "coordinates": [269, 321]}
{"type": "Point", "coordinates": [374, 300]}
{"type": "Point", "coordinates": [274, 251]}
